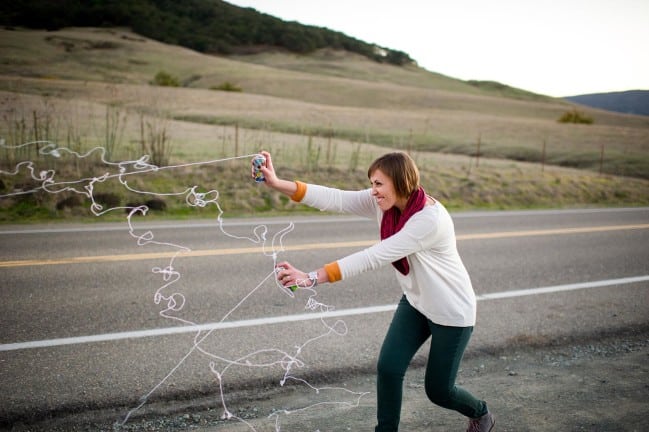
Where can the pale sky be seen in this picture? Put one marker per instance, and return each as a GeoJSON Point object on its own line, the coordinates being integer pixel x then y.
{"type": "Point", "coordinates": [551, 47]}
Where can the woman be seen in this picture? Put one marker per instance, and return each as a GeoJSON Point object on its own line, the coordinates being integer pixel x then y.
{"type": "Point", "coordinates": [418, 239]}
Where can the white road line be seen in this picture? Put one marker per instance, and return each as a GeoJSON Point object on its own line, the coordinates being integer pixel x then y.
{"type": "Point", "coordinates": [559, 288]}
{"type": "Point", "coordinates": [300, 317]}
{"type": "Point", "coordinates": [299, 219]}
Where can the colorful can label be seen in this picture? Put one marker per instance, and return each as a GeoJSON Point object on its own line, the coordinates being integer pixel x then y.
{"type": "Point", "coordinates": [258, 162]}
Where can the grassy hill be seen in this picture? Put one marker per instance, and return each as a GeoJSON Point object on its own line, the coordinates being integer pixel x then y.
{"type": "Point", "coordinates": [629, 102]}
{"type": "Point", "coordinates": [207, 26]}
{"type": "Point", "coordinates": [324, 115]}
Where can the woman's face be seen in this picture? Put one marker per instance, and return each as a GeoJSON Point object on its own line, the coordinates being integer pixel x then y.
{"type": "Point", "coordinates": [384, 193]}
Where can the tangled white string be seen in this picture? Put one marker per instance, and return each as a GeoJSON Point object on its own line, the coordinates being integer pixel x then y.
{"type": "Point", "coordinates": [172, 302]}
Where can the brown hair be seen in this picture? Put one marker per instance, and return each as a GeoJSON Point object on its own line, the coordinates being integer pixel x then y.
{"type": "Point", "coordinates": [401, 169]}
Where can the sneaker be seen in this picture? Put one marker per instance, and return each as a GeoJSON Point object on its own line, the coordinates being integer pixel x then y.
{"type": "Point", "coordinates": [482, 424]}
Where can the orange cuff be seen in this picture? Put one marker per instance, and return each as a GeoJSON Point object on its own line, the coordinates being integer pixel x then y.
{"type": "Point", "coordinates": [300, 192]}
{"type": "Point", "coordinates": [333, 272]}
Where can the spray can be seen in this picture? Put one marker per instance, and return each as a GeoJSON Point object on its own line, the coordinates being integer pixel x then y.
{"type": "Point", "coordinates": [258, 162]}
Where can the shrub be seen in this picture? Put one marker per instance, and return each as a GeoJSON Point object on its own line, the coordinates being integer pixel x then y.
{"type": "Point", "coordinates": [227, 86]}
{"type": "Point", "coordinates": [70, 202]}
{"type": "Point", "coordinates": [156, 204]}
{"type": "Point", "coordinates": [575, 116]}
{"type": "Point", "coordinates": [165, 79]}
{"type": "Point", "coordinates": [107, 199]}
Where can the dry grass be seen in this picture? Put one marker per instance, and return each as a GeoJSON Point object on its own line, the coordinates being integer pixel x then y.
{"type": "Point", "coordinates": [291, 105]}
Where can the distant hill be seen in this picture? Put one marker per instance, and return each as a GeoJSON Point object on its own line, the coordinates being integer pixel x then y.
{"type": "Point", "coordinates": [207, 26]}
{"type": "Point", "coordinates": [627, 102]}
{"type": "Point", "coordinates": [330, 96]}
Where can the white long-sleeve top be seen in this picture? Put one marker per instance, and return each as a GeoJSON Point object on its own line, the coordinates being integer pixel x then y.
{"type": "Point", "coordinates": [438, 284]}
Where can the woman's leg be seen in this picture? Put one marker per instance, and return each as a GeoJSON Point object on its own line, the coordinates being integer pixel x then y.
{"type": "Point", "coordinates": [446, 350]}
{"type": "Point", "coordinates": [407, 332]}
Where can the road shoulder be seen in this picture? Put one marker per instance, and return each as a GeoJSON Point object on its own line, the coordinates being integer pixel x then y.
{"type": "Point", "coordinates": [598, 384]}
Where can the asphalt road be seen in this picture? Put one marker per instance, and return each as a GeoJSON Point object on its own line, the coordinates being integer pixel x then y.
{"type": "Point", "coordinates": [97, 316]}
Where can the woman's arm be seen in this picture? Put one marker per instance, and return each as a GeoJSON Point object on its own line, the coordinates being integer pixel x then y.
{"type": "Point", "coordinates": [421, 232]}
{"type": "Point", "coordinates": [324, 198]}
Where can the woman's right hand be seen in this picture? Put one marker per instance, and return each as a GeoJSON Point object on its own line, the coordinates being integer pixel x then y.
{"type": "Point", "coordinates": [271, 180]}
{"type": "Point", "coordinates": [267, 169]}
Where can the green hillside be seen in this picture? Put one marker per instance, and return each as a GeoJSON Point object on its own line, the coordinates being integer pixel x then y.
{"type": "Point", "coordinates": [207, 26]}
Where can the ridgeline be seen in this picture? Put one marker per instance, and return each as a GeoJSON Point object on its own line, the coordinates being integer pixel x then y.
{"type": "Point", "coordinates": [206, 26]}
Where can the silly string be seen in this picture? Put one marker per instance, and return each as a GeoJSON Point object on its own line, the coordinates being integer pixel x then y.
{"type": "Point", "coordinates": [172, 302]}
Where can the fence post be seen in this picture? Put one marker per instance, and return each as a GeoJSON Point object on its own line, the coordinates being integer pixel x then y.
{"type": "Point", "coordinates": [37, 137]}
{"type": "Point", "coordinates": [329, 135]}
{"type": "Point", "coordinates": [236, 138]}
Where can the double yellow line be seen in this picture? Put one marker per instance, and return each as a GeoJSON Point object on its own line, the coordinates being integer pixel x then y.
{"type": "Point", "coordinates": [306, 246]}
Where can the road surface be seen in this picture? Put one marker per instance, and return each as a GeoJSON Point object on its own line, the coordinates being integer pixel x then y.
{"type": "Point", "coordinates": [103, 317]}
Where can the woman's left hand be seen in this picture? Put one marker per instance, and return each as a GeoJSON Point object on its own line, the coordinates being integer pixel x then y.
{"type": "Point", "coordinates": [289, 276]}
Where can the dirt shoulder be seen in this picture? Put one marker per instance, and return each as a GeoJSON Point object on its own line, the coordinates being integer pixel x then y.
{"type": "Point", "coordinates": [598, 384]}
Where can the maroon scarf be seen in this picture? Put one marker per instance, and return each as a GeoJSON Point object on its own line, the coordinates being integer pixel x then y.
{"type": "Point", "coordinates": [393, 220]}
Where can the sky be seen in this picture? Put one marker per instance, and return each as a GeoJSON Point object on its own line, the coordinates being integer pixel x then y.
{"type": "Point", "coordinates": [550, 47]}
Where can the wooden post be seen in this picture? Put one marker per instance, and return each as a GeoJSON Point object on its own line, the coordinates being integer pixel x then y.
{"type": "Point", "coordinates": [224, 133]}
{"type": "Point", "coordinates": [142, 142]}
{"type": "Point", "coordinates": [477, 154]}
{"type": "Point", "coordinates": [330, 134]}
{"type": "Point", "coordinates": [236, 139]}
{"type": "Point", "coordinates": [36, 133]}
{"type": "Point", "coordinates": [543, 157]}
{"type": "Point", "coordinates": [601, 159]}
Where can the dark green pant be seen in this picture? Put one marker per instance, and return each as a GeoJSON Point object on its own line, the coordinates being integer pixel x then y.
{"type": "Point", "coordinates": [407, 333]}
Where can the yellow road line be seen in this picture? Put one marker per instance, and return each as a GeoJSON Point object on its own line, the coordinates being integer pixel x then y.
{"type": "Point", "coordinates": [558, 231]}
{"type": "Point", "coordinates": [306, 246]}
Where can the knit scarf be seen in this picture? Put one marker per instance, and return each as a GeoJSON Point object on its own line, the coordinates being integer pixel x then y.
{"type": "Point", "coordinates": [393, 220]}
